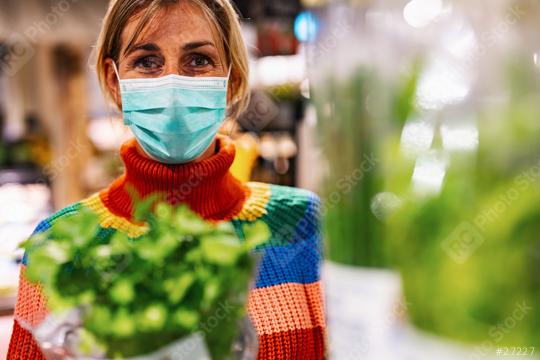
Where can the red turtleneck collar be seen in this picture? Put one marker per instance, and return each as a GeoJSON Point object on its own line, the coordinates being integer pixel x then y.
{"type": "Point", "coordinates": [207, 186]}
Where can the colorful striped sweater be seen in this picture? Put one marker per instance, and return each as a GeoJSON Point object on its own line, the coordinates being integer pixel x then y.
{"type": "Point", "coordinates": [285, 305]}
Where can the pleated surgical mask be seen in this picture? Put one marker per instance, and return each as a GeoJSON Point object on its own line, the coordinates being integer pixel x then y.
{"type": "Point", "coordinates": [174, 118]}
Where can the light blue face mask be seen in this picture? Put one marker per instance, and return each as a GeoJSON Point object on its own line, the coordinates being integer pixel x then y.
{"type": "Point", "coordinates": [174, 118]}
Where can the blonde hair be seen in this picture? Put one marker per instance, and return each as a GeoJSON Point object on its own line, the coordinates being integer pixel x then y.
{"type": "Point", "coordinates": [225, 24]}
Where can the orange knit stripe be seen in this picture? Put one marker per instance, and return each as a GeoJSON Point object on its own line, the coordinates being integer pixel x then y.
{"type": "Point", "coordinates": [303, 344]}
{"type": "Point", "coordinates": [285, 307]}
{"type": "Point", "coordinates": [31, 304]}
{"type": "Point", "coordinates": [22, 345]}
{"type": "Point", "coordinates": [315, 299]}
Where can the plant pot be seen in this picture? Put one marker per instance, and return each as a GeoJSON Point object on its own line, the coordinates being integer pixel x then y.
{"type": "Point", "coordinates": [59, 336]}
{"type": "Point", "coordinates": [363, 307]}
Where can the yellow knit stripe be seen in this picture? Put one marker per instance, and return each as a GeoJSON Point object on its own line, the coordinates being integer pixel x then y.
{"type": "Point", "coordinates": [255, 206]}
{"type": "Point", "coordinates": [253, 209]}
{"type": "Point", "coordinates": [110, 220]}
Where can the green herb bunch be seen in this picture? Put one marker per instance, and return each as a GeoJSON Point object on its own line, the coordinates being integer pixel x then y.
{"type": "Point", "coordinates": [138, 295]}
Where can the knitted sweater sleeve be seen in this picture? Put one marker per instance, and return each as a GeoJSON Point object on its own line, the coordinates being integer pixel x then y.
{"type": "Point", "coordinates": [286, 306]}
{"type": "Point", "coordinates": [30, 310]}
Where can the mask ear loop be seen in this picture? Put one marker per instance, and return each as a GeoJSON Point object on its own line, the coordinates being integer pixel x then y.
{"type": "Point", "coordinates": [126, 116]}
{"type": "Point", "coordinates": [116, 70]}
{"type": "Point", "coordinates": [231, 128]}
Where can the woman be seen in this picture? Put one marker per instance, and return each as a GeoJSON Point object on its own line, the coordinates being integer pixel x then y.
{"type": "Point", "coordinates": [176, 69]}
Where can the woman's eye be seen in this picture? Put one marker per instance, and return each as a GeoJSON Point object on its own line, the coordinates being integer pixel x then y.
{"type": "Point", "coordinates": [149, 63]}
{"type": "Point", "coordinates": [200, 61]}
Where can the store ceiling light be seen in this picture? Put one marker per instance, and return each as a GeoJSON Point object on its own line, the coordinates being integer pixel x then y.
{"type": "Point", "coordinates": [442, 83]}
{"type": "Point", "coordinates": [419, 13]}
{"type": "Point", "coordinates": [306, 26]}
{"type": "Point", "coordinates": [272, 71]}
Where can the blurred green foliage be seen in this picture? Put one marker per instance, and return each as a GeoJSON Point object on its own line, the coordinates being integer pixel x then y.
{"type": "Point", "coordinates": [141, 294]}
{"type": "Point", "coordinates": [359, 119]}
{"type": "Point", "coordinates": [469, 256]}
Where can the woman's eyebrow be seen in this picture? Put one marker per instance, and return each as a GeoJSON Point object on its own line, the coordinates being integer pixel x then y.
{"type": "Point", "coordinates": [145, 46]}
{"type": "Point", "coordinates": [196, 44]}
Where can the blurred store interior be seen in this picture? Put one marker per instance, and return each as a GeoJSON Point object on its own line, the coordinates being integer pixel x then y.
{"type": "Point", "coordinates": [60, 139]}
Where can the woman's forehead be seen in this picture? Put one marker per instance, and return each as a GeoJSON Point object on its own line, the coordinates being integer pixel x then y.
{"type": "Point", "coordinates": [173, 25]}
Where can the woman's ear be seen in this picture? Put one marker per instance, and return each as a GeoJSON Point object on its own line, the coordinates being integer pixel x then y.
{"type": "Point", "coordinates": [112, 83]}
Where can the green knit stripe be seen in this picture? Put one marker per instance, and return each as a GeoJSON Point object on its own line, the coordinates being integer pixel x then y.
{"type": "Point", "coordinates": [73, 208]}
{"type": "Point", "coordinates": [285, 209]}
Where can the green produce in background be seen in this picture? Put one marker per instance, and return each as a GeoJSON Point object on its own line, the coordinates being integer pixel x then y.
{"type": "Point", "coordinates": [139, 295]}
{"type": "Point", "coordinates": [352, 233]}
{"type": "Point", "coordinates": [469, 254]}
{"type": "Point", "coordinates": [360, 119]}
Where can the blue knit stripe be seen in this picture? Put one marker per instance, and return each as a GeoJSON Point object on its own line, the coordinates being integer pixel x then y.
{"type": "Point", "coordinates": [46, 224]}
{"type": "Point", "coordinates": [297, 262]}
{"type": "Point", "coordinates": [42, 227]}
{"type": "Point", "coordinates": [294, 252]}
